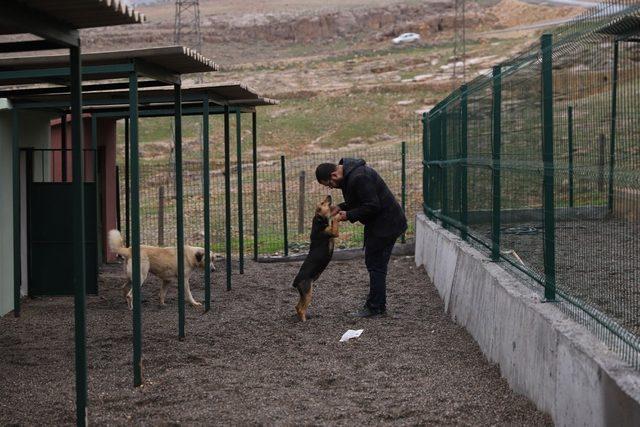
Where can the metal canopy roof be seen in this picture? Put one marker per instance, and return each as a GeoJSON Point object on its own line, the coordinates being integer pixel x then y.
{"type": "Point", "coordinates": [176, 59]}
{"type": "Point", "coordinates": [76, 14]}
{"type": "Point", "coordinates": [232, 94]}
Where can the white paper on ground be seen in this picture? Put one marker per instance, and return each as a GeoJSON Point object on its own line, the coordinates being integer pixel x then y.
{"type": "Point", "coordinates": [351, 334]}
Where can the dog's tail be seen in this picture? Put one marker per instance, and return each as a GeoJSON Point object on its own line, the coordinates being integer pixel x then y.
{"type": "Point", "coordinates": [116, 245]}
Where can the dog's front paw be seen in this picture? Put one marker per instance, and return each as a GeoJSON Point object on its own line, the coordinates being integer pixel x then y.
{"type": "Point", "coordinates": [195, 303]}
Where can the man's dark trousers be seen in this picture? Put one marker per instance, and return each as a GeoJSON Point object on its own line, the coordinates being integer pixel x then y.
{"type": "Point", "coordinates": [377, 251]}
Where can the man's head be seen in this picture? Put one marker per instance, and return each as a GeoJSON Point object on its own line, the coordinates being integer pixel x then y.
{"type": "Point", "coordinates": [329, 174]}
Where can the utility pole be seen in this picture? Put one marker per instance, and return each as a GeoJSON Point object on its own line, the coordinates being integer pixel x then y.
{"type": "Point", "coordinates": [459, 41]}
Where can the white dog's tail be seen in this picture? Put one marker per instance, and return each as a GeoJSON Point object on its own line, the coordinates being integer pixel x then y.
{"type": "Point", "coordinates": [116, 245]}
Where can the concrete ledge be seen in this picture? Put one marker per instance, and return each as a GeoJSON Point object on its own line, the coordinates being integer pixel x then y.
{"type": "Point", "coordinates": [544, 355]}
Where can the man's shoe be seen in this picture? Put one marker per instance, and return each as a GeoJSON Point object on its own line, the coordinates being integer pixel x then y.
{"type": "Point", "coordinates": [368, 312]}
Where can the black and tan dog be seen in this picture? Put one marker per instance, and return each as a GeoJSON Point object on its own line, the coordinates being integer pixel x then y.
{"type": "Point", "coordinates": [324, 230]}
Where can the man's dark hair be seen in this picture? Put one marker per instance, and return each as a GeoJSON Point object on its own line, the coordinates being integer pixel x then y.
{"type": "Point", "coordinates": [324, 171]}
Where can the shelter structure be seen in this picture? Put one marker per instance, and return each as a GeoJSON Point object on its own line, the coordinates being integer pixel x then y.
{"type": "Point", "coordinates": [54, 27]}
{"type": "Point", "coordinates": [146, 67]}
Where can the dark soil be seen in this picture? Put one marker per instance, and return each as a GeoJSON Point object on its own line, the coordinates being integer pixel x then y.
{"type": "Point", "coordinates": [596, 262]}
{"type": "Point", "coordinates": [250, 362]}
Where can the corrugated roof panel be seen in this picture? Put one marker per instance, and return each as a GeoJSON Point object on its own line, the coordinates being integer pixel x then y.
{"type": "Point", "coordinates": [79, 14]}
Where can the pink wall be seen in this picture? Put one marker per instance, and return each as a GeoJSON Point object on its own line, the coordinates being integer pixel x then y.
{"type": "Point", "coordinates": [106, 167]}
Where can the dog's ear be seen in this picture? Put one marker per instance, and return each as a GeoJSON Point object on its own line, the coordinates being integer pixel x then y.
{"type": "Point", "coordinates": [199, 256]}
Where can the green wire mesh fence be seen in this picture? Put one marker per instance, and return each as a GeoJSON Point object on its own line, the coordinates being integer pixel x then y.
{"type": "Point", "coordinates": [538, 162]}
{"type": "Point", "coordinates": [398, 162]}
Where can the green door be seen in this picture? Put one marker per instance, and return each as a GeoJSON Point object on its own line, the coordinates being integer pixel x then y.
{"type": "Point", "coordinates": [50, 238]}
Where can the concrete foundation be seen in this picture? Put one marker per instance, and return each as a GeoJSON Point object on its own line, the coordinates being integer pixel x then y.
{"type": "Point", "coordinates": [544, 355]}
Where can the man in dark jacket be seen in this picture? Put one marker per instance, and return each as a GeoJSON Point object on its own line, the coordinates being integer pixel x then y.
{"type": "Point", "coordinates": [367, 200]}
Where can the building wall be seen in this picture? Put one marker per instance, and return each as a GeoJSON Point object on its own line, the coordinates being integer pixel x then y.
{"type": "Point", "coordinates": [34, 132]}
{"type": "Point", "coordinates": [106, 131]}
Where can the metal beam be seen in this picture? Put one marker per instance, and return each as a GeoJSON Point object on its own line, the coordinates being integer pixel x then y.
{"type": "Point", "coordinates": [62, 90]}
{"type": "Point", "coordinates": [29, 21]}
{"type": "Point", "coordinates": [28, 46]}
{"type": "Point", "coordinates": [43, 73]}
{"type": "Point", "coordinates": [79, 255]}
{"type": "Point", "coordinates": [156, 73]}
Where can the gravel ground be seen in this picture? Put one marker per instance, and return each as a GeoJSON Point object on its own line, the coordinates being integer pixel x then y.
{"type": "Point", "coordinates": [250, 362]}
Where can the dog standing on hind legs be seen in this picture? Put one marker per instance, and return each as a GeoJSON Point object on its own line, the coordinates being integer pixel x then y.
{"type": "Point", "coordinates": [163, 263]}
{"type": "Point", "coordinates": [324, 230]}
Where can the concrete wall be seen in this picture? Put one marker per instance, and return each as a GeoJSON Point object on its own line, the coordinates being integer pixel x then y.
{"type": "Point", "coordinates": [34, 132]}
{"type": "Point", "coordinates": [566, 371]}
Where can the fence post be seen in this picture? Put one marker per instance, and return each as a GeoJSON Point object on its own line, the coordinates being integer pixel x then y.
{"type": "Point", "coordinates": [425, 160]}
{"type": "Point", "coordinates": [434, 155]}
{"type": "Point", "coordinates": [464, 200]}
{"type": "Point", "coordinates": [227, 197]}
{"type": "Point", "coordinates": [301, 197]}
{"type": "Point", "coordinates": [254, 136]}
{"type": "Point", "coordinates": [284, 206]}
{"type": "Point", "coordinates": [602, 141]}
{"type": "Point", "coordinates": [612, 138]}
{"type": "Point", "coordinates": [443, 168]}
{"type": "Point", "coordinates": [549, 246]}
{"type": "Point", "coordinates": [570, 140]}
{"type": "Point", "coordinates": [496, 133]}
{"type": "Point", "coordinates": [403, 179]}
{"type": "Point", "coordinates": [161, 215]}
{"type": "Point", "coordinates": [240, 188]}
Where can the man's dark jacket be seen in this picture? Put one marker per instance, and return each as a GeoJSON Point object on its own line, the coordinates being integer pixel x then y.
{"type": "Point", "coordinates": [367, 199]}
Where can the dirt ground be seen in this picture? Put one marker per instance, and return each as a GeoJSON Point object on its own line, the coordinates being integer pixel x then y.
{"type": "Point", "coordinates": [250, 362]}
{"type": "Point", "coordinates": [596, 261]}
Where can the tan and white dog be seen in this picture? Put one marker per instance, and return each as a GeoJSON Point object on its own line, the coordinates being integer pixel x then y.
{"type": "Point", "coordinates": [163, 263]}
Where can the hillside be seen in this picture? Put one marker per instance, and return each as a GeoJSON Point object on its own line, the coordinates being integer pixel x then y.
{"type": "Point", "coordinates": [331, 62]}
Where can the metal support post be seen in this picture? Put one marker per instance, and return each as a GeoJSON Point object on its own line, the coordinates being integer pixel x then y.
{"type": "Point", "coordinates": [240, 187]}
{"type": "Point", "coordinates": [464, 198]}
{"type": "Point", "coordinates": [17, 253]}
{"type": "Point", "coordinates": [425, 159]}
{"type": "Point", "coordinates": [496, 134]}
{"type": "Point", "coordinates": [127, 180]}
{"type": "Point", "coordinates": [285, 231]}
{"type": "Point", "coordinates": [254, 135]}
{"type": "Point", "coordinates": [79, 255]}
{"type": "Point", "coordinates": [443, 168]}
{"type": "Point", "coordinates": [614, 113]}
{"type": "Point", "coordinates": [94, 148]}
{"type": "Point", "coordinates": [403, 182]}
{"type": "Point", "coordinates": [206, 178]}
{"type": "Point", "coordinates": [549, 247]}
{"type": "Point", "coordinates": [570, 143]}
{"type": "Point", "coordinates": [301, 201]}
{"type": "Point", "coordinates": [179, 207]}
{"type": "Point", "coordinates": [135, 230]}
{"type": "Point", "coordinates": [227, 196]}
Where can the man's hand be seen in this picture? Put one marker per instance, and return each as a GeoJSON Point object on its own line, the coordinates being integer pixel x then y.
{"type": "Point", "coordinates": [341, 216]}
{"type": "Point", "coordinates": [334, 210]}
